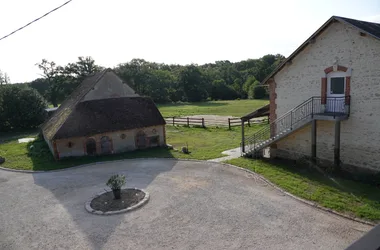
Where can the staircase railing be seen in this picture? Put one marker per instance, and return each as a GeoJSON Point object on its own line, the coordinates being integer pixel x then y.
{"type": "Point", "coordinates": [298, 116]}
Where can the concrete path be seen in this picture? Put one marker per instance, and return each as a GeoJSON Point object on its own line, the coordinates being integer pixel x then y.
{"type": "Point", "coordinates": [193, 205]}
{"type": "Point", "coordinates": [236, 153]}
{"type": "Point", "coordinates": [231, 154]}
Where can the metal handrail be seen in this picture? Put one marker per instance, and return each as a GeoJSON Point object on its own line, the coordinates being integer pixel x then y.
{"type": "Point", "coordinates": [300, 113]}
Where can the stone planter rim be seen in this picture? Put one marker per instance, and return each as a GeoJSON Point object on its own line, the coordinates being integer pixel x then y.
{"type": "Point", "coordinates": [89, 209]}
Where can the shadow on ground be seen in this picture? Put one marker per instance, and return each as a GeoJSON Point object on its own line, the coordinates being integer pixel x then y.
{"type": "Point", "coordinates": [14, 135]}
{"type": "Point", "coordinates": [73, 187]}
{"type": "Point", "coordinates": [42, 158]}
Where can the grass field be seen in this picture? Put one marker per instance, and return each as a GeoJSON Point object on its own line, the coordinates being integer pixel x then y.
{"type": "Point", "coordinates": [350, 197]}
{"type": "Point", "coordinates": [204, 143]}
{"type": "Point", "coordinates": [234, 108]}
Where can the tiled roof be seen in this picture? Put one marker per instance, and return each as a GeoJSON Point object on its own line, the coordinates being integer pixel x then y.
{"type": "Point", "coordinates": [52, 125]}
{"type": "Point", "coordinates": [112, 114]}
{"type": "Point", "coordinates": [368, 27]}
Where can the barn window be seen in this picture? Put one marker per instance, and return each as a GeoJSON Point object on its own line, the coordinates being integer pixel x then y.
{"type": "Point", "coordinates": [123, 136]}
{"type": "Point", "coordinates": [70, 144]}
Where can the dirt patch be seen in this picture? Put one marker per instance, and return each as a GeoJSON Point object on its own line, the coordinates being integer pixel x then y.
{"type": "Point", "coordinates": [107, 203]}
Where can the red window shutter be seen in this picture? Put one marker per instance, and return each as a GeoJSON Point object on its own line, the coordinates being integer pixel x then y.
{"type": "Point", "coordinates": [323, 90]}
{"type": "Point", "coordinates": [348, 90]}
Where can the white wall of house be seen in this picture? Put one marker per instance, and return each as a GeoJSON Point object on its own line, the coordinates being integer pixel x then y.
{"type": "Point", "coordinates": [119, 144]}
{"type": "Point", "coordinates": [360, 135]}
{"type": "Point", "coordinates": [110, 86]}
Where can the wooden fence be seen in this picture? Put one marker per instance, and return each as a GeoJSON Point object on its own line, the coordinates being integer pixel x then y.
{"type": "Point", "coordinates": [190, 121]}
{"type": "Point", "coordinates": [237, 122]}
{"type": "Point", "coordinates": [186, 121]}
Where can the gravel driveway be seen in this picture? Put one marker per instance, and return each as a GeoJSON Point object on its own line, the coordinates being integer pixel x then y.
{"type": "Point", "coordinates": [193, 205]}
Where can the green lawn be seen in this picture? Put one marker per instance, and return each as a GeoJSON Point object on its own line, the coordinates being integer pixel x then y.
{"type": "Point", "coordinates": [233, 108]}
{"type": "Point", "coordinates": [204, 143]}
{"type": "Point", "coordinates": [349, 197]}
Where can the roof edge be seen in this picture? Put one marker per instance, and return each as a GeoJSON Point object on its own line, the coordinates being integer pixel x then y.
{"type": "Point", "coordinates": [97, 80]}
{"type": "Point", "coordinates": [315, 34]}
{"type": "Point", "coordinates": [341, 19]}
{"type": "Point", "coordinates": [299, 49]}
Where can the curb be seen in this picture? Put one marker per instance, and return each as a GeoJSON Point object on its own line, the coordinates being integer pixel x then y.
{"type": "Point", "coordinates": [89, 209]}
{"type": "Point", "coordinates": [310, 203]}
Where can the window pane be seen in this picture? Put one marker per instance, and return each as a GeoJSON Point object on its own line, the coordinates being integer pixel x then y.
{"type": "Point", "coordinates": [337, 85]}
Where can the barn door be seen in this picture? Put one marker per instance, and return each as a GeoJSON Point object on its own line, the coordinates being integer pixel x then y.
{"type": "Point", "coordinates": [105, 145]}
{"type": "Point", "coordinates": [91, 146]}
{"type": "Point", "coordinates": [141, 140]}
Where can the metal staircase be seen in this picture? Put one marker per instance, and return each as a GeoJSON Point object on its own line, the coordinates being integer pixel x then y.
{"type": "Point", "coordinates": [315, 108]}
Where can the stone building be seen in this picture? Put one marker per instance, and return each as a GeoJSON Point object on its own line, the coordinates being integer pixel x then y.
{"type": "Point", "coordinates": [325, 99]}
{"type": "Point", "coordinates": [103, 115]}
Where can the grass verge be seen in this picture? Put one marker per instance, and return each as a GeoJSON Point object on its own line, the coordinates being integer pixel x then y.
{"type": "Point", "coordinates": [225, 108]}
{"type": "Point", "coordinates": [346, 196]}
{"type": "Point", "coordinates": [203, 143]}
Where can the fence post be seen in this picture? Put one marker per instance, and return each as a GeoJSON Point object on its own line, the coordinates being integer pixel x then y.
{"type": "Point", "coordinates": [188, 121]}
{"type": "Point", "coordinates": [229, 123]}
{"type": "Point", "coordinates": [249, 123]}
{"type": "Point", "coordinates": [173, 120]}
{"type": "Point", "coordinates": [203, 122]}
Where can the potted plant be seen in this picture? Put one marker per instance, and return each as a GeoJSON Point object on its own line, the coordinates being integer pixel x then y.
{"type": "Point", "coordinates": [115, 182]}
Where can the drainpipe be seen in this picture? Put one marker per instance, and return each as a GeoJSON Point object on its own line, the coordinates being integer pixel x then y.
{"type": "Point", "coordinates": [337, 146]}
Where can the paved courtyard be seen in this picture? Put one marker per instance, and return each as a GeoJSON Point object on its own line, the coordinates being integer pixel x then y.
{"type": "Point", "coordinates": [193, 205]}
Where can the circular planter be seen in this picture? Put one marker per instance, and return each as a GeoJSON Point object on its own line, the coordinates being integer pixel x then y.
{"type": "Point", "coordinates": [104, 203]}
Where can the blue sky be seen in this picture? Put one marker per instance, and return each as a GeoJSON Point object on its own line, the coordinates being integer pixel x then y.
{"type": "Point", "coordinates": [169, 31]}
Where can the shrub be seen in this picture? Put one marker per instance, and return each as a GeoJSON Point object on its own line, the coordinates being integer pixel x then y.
{"type": "Point", "coordinates": [21, 107]}
{"type": "Point", "coordinates": [116, 181]}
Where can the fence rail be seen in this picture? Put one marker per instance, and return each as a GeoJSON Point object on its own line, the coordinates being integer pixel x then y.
{"type": "Point", "coordinates": [185, 121]}
{"type": "Point", "coordinates": [191, 121]}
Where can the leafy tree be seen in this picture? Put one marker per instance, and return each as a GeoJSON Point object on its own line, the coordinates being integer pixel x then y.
{"type": "Point", "coordinates": [248, 83]}
{"type": "Point", "coordinates": [192, 83]}
{"type": "Point", "coordinates": [50, 71]}
{"type": "Point", "coordinates": [237, 86]}
{"type": "Point", "coordinates": [163, 82]}
{"type": "Point", "coordinates": [82, 68]}
{"type": "Point", "coordinates": [257, 91]}
{"type": "Point", "coordinates": [221, 91]}
{"type": "Point", "coordinates": [40, 85]}
{"type": "Point", "coordinates": [4, 78]}
{"type": "Point", "coordinates": [59, 81]}
{"type": "Point", "coordinates": [254, 89]}
{"type": "Point", "coordinates": [21, 107]}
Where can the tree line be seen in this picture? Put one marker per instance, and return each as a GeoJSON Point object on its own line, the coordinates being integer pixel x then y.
{"type": "Point", "coordinates": [222, 80]}
{"type": "Point", "coordinates": [22, 104]}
